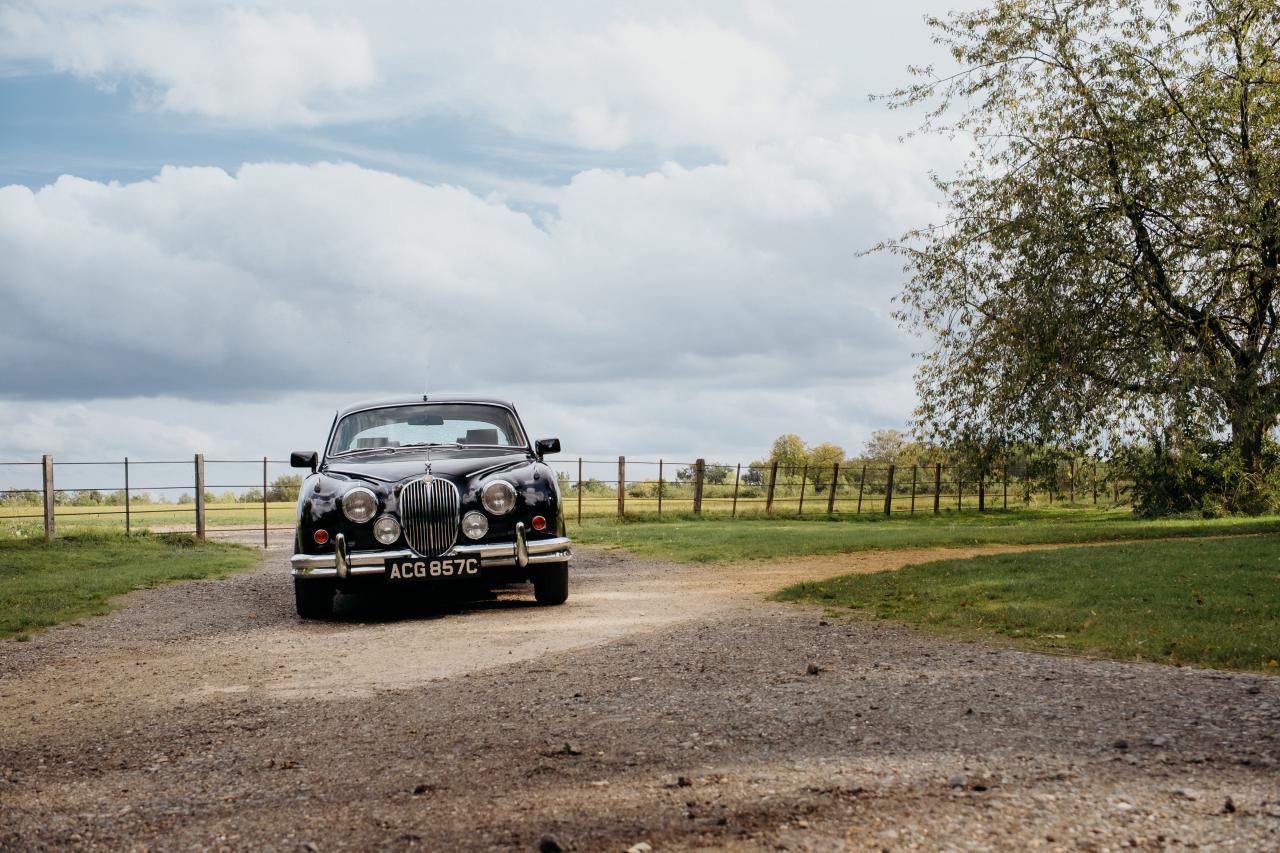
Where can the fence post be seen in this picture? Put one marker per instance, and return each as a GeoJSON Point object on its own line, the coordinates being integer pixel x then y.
{"type": "Point", "coordinates": [1116, 483]}
{"type": "Point", "coordinates": [200, 496]}
{"type": "Point", "coordinates": [982, 491]}
{"type": "Point", "coordinates": [1094, 475]}
{"type": "Point", "coordinates": [959, 492]}
{"type": "Point", "coordinates": [1072, 485]}
{"type": "Point", "coordinates": [888, 491]}
{"type": "Point", "coordinates": [46, 466]}
{"type": "Point", "coordinates": [127, 528]}
{"type": "Point", "coordinates": [835, 479]}
{"type": "Point", "coordinates": [622, 487]}
{"type": "Point", "coordinates": [1005, 480]}
{"type": "Point", "coordinates": [699, 477]}
{"type": "Point", "coordinates": [773, 481]}
{"type": "Point", "coordinates": [915, 469]}
{"type": "Point", "coordinates": [737, 478]}
{"type": "Point", "coordinates": [937, 488]}
{"type": "Point", "coordinates": [579, 489]}
{"type": "Point", "coordinates": [804, 478]}
{"type": "Point", "coordinates": [862, 484]}
{"type": "Point", "coordinates": [264, 502]}
{"type": "Point", "coordinates": [659, 487]}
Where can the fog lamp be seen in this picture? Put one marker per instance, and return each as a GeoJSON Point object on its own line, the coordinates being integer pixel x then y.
{"type": "Point", "coordinates": [386, 530]}
{"type": "Point", "coordinates": [475, 525]}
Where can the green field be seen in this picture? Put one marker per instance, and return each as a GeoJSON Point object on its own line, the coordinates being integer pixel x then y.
{"type": "Point", "coordinates": [1208, 603]}
{"type": "Point", "coordinates": [165, 517]}
{"type": "Point", "coordinates": [28, 520]}
{"type": "Point", "coordinates": [712, 540]}
{"type": "Point", "coordinates": [44, 583]}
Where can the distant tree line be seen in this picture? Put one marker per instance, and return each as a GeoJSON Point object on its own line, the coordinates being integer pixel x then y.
{"type": "Point", "coordinates": [282, 489]}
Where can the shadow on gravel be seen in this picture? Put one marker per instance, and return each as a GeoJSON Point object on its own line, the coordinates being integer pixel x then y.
{"type": "Point", "coordinates": [382, 608]}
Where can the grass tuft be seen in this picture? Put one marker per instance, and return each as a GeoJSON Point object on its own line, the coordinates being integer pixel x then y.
{"type": "Point", "coordinates": [77, 574]}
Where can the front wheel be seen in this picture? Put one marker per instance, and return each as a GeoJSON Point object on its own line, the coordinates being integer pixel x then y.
{"type": "Point", "coordinates": [314, 598]}
{"type": "Point", "coordinates": [551, 584]}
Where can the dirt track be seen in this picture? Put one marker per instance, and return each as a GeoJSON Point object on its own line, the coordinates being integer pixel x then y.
{"type": "Point", "coordinates": [667, 704]}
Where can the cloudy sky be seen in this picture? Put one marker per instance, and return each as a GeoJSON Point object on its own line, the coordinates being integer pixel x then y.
{"type": "Point", "coordinates": [639, 221]}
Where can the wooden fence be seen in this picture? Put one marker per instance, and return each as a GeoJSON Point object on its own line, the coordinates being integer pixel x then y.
{"type": "Point", "coordinates": [700, 488]}
{"type": "Point", "coordinates": [638, 488]}
{"type": "Point", "coordinates": [21, 504]}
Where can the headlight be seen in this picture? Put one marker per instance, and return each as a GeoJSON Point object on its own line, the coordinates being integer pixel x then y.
{"type": "Point", "coordinates": [499, 497]}
{"type": "Point", "coordinates": [359, 505]}
{"type": "Point", "coordinates": [386, 530]}
{"type": "Point", "coordinates": [475, 525]}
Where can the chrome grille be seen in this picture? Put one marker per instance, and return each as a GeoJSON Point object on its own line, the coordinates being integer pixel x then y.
{"type": "Point", "coordinates": [429, 514]}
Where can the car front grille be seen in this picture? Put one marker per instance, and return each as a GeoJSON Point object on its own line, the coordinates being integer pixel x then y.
{"type": "Point", "coordinates": [429, 514]}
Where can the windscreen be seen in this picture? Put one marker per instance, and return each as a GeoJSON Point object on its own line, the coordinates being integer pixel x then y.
{"type": "Point", "coordinates": [426, 425]}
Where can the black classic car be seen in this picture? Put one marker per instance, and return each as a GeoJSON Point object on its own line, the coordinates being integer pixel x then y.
{"type": "Point", "coordinates": [426, 495]}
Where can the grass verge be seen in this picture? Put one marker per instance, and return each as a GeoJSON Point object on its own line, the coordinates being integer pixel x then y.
{"type": "Point", "coordinates": [694, 540]}
{"type": "Point", "coordinates": [1205, 603]}
{"type": "Point", "coordinates": [44, 583]}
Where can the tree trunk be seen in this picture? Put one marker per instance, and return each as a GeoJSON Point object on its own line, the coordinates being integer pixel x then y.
{"type": "Point", "coordinates": [1247, 436]}
{"type": "Point", "coordinates": [1249, 427]}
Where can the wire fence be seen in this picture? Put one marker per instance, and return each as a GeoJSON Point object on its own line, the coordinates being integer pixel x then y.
{"type": "Point", "coordinates": [622, 488]}
{"type": "Point", "coordinates": [193, 496]}
{"type": "Point", "coordinates": [201, 496]}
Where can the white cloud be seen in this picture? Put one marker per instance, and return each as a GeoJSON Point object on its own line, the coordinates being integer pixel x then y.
{"type": "Point", "coordinates": [719, 77]}
{"type": "Point", "coordinates": [670, 84]}
{"type": "Point", "coordinates": [259, 67]}
{"type": "Point", "coordinates": [334, 279]}
{"type": "Point", "coordinates": [684, 309]}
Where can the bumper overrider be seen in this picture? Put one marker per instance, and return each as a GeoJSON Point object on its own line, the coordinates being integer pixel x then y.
{"type": "Point", "coordinates": [344, 563]}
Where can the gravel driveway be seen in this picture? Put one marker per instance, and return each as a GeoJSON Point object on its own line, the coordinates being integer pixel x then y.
{"type": "Point", "coordinates": [663, 704]}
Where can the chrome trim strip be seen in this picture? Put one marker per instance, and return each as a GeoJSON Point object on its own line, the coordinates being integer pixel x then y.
{"type": "Point", "coordinates": [494, 554]}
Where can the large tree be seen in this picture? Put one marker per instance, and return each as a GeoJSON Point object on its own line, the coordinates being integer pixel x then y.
{"type": "Point", "coordinates": [1111, 255]}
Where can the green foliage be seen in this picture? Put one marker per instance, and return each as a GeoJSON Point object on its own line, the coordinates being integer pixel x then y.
{"type": "Point", "coordinates": [789, 451]}
{"type": "Point", "coordinates": [1110, 254]}
{"type": "Point", "coordinates": [596, 487]}
{"type": "Point", "coordinates": [1211, 603]}
{"type": "Point", "coordinates": [821, 460]}
{"type": "Point", "coordinates": [253, 496]}
{"type": "Point", "coordinates": [285, 488]}
{"type": "Point", "coordinates": [1205, 477]}
{"type": "Point", "coordinates": [884, 446]}
{"type": "Point", "coordinates": [18, 497]}
{"type": "Point", "coordinates": [643, 489]}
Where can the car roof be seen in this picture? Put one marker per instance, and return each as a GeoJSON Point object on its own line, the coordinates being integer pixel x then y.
{"type": "Point", "coordinates": [420, 398]}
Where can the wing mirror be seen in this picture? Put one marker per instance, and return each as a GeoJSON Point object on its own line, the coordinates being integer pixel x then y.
{"type": "Point", "coordinates": [305, 459]}
{"type": "Point", "coordinates": [543, 446]}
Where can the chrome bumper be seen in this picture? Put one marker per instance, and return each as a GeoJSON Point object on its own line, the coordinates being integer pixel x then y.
{"type": "Point", "coordinates": [343, 563]}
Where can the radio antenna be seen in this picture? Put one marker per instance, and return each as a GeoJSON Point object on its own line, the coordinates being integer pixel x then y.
{"type": "Point", "coordinates": [426, 370]}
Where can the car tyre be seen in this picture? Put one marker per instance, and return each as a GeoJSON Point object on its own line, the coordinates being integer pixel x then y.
{"type": "Point", "coordinates": [313, 598]}
{"type": "Point", "coordinates": [551, 584]}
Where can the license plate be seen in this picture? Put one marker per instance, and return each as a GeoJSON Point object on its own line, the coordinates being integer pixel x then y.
{"type": "Point", "coordinates": [460, 567]}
